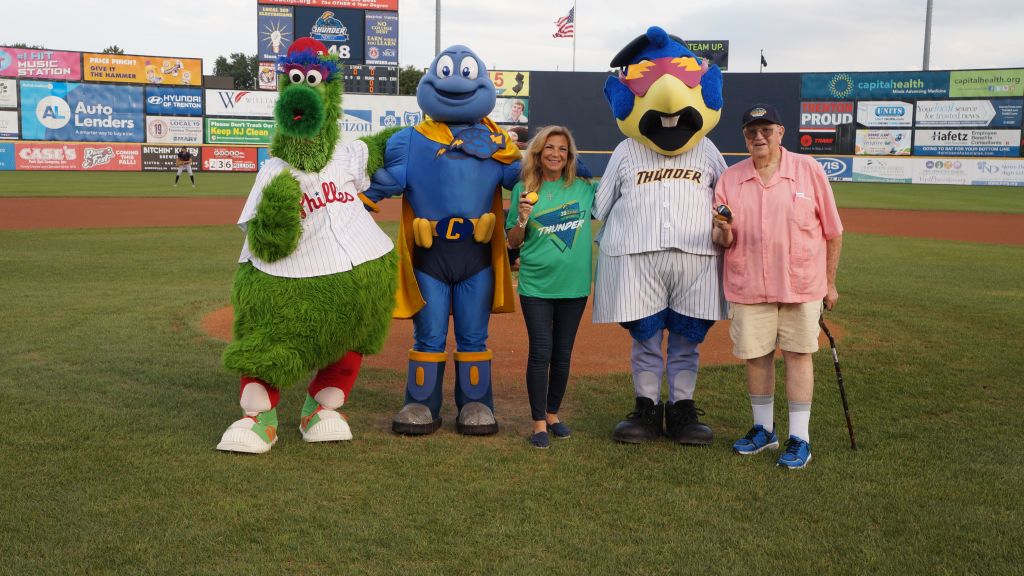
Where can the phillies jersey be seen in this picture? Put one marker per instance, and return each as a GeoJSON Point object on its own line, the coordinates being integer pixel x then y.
{"type": "Point", "coordinates": [337, 231]}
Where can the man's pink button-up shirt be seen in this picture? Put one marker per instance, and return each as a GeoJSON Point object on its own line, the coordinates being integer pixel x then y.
{"type": "Point", "coordinates": [779, 230]}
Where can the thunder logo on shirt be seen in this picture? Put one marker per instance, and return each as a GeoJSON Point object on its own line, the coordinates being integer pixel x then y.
{"type": "Point", "coordinates": [561, 225]}
{"type": "Point", "coordinates": [648, 176]}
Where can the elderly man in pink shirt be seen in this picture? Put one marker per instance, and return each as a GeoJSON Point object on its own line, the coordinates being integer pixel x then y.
{"type": "Point", "coordinates": [782, 240]}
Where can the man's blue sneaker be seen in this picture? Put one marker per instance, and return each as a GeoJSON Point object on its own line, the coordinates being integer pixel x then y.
{"type": "Point", "coordinates": [797, 454]}
{"type": "Point", "coordinates": [756, 440]}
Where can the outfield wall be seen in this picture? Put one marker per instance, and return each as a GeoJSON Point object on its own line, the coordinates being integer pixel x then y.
{"type": "Point", "coordinates": [74, 111]}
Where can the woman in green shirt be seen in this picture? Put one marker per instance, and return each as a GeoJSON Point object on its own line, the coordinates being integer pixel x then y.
{"type": "Point", "coordinates": [551, 224]}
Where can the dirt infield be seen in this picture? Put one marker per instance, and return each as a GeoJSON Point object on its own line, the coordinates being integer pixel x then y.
{"type": "Point", "coordinates": [33, 213]}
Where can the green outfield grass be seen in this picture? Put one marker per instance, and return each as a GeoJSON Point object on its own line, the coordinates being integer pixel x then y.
{"type": "Point", "coordinates": [123, 184]}
{"type": "Point", "coordinates": [1005, 199]}
{"type": "Point", "coordinates": [115, 400]}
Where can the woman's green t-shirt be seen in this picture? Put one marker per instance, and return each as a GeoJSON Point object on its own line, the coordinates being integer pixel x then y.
{"type": "Point", "coordinates": [555, 259]}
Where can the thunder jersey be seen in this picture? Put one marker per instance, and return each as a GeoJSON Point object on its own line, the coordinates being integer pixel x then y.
{"type": "Point", "coordinates": [555, 260]}
{"type": "Point", "coordinates": [337, 231]}
{"type": "Point", "coordinates": [650, 202]}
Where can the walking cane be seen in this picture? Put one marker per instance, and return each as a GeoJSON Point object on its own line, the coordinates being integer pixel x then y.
{"type": "Point", "coordinates": [839, 377]}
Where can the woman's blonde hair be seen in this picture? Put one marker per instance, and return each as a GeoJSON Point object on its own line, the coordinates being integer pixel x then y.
{"type": "Point", "coordinates": [532, 175]}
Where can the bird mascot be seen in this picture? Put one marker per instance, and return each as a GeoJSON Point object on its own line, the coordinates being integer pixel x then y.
{"type": "Point", "coordinates": [315, 286]}
{"type": "Point", "coordinates": [657, 268]}
{"type": "Point", "coordinates": [449, 170]}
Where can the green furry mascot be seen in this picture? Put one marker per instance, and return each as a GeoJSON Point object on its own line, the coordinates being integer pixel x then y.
{"type": "Point", "coordinates": [315, 286]}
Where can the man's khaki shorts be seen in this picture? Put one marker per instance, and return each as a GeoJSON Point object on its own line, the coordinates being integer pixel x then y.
{"type": "Point", "coordinates": [757, 329]}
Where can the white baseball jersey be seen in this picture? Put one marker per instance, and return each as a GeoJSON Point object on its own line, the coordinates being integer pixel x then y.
{"type": "Point", "coordinates": [651, 202]}
{"type": "Point", "coordinates": [655, 245]}
{"type": "Point", "coordinates": [337, 231]}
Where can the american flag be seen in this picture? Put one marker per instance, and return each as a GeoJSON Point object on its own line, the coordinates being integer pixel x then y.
{"type": "Point", "coordinates": [565, 25]}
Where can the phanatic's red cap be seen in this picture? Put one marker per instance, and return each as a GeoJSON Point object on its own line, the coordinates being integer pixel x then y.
{"type": "Point", "coordinates": [307, 43]}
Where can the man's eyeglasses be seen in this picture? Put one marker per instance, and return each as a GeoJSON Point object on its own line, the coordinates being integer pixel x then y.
{"type": "Point", "coordinates": [751, 132]}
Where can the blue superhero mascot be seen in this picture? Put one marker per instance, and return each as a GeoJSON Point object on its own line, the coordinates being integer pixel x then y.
{"type": "Point", "coordinates": [657, 269]}
{"type": "Point", "coordinates": [449, 170]}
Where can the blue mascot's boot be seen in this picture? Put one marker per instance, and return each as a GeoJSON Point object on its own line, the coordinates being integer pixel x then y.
{"type": "Point", "coordinates": [473, 394]}
{"type": "Point", "coordinates": [422, 411]}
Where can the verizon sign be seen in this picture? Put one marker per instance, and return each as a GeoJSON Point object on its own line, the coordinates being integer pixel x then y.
{"type": "Point", "coordinates": [240, 103]}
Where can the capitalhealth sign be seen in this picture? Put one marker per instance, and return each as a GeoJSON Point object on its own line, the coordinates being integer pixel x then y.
{"type": "Point", "coordinates": [874, 85]}
{"type": "Point", "coordinates": [81, 112]}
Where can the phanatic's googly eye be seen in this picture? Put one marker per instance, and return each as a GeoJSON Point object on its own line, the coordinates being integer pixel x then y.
{"type": "Point", "coordinates": [469, 68]}
{"type": "Point", "coordinates": [313, 77]}
{"type": "Point", "coordinates": [445, 67]}
{"type": "Point", "coordinates": [296, 76]}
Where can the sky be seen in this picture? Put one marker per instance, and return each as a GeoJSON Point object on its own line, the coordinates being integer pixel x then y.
{"type": "Point", "coordinates": [796, 36]}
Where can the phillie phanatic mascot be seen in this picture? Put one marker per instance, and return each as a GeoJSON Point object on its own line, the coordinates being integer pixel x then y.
{"type": "Point", "coordinates": [657, 269]}
{"type": "Point", "coordinates": [315, 286]}
{"type": "Point", "coordinates": [450, 170]}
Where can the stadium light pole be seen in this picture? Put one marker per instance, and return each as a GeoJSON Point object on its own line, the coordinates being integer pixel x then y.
{"type": "Point", "coordinates": [437, 26]}
{"type": "Point", "coordinates": [927, 33]}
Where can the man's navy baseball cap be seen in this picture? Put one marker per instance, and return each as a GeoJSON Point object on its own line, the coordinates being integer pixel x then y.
{"type": "Point", "coordinates": [762, 113]}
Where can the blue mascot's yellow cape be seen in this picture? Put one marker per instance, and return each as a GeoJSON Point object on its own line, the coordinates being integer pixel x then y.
{"type": "Point", "coordinates": [409, 300]}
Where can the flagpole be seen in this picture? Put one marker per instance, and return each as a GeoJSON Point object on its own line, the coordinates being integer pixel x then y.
{"type": "Point", "coordinates": [575, 26]}
{"type": "Point", "coordinates": [761, 68]}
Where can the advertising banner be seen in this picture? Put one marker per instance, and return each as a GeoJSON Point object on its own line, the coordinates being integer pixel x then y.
{"type": "Point", "coordinates": [837, 169]}
{"type": "Point", "coordinates": [81, 112]}
{"type": "Point", "coordinates": [174, 130]}
{"type": "Point", "coordinates": [234, 131]}
{"type": "Point", "coordinates": [996, 172]}
{"type": "Point", "coordinates": [276, 30]}
{"type": "Point", "coordinates": [163, 158]}
{"type": "Point", "coordinates": [267, 76]}
{"type": "Point", "coordinates": [986, 83]}
{"type": "Point", "coordinates": [818, 143]}
{"type": "Point", "coordinates": [886, 114]}
{"type": "Point", "coordinates": [511, 111]}
{"type": "Point", "coordinates": [941, 172]}
{"type": "Point", "coordinates": [963, 113]}
{"type": "Point", "coordinates": [893, 170]}
{"type": "Point", "coordinates": [226, 159]}
{"type": "Point", "coordinates": [382, 38]}
{"type": "Point", "coordinates": [129, 69]}
{"type": "Point", "coordinates": [714, 51]}
{"type": "Point", "coordinates": [339, 29]}
{"type": "Point", "coordinates": [262, 155]}
{"type": "Point", "coordinates": [8, 124]}
{"type": "Point", "coordinates": [174, 101]}
{"type": "Point", "coordinates": [882, 143]}
{"type": "Point", "coordinates": [365, 115]}
{"type": "Point", "coordinates": [824, 116]}
{"type": "Point", "coordinates": [874, 85]}
{"type": "Point", "coordinates": [7, 156]}
{"type": "Point", "coordinates": [8, 93]}
{"type": "Point", "coordinates": [44, 156]}
{"type": "Point", "coordinates": [359, 4]}
{"type": "Point", "coordinates": [967, 142]}
{"type": "Point", "coordinates": [35, 64]}
{"type": "Point", "coordinates": [120, 157]}
{"type": "Point", "coordinates": [240, 103]}
{"type": "Point", "coordinates": [511, 82]}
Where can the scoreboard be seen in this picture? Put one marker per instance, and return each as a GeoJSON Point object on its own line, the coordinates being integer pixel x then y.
{"type": "Point", "coordinates": [364, 79]}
